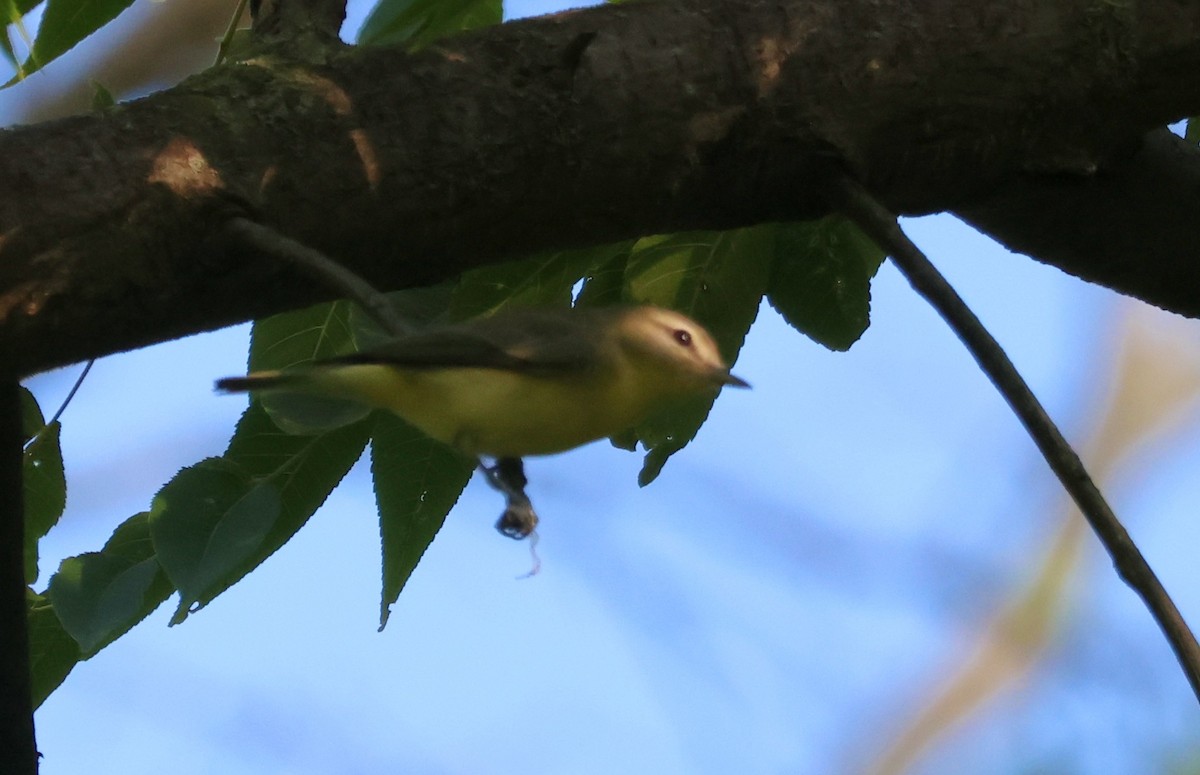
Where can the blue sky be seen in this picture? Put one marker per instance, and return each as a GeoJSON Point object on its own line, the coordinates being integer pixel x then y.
{"type": "Point", "coordinates": [777, 601]}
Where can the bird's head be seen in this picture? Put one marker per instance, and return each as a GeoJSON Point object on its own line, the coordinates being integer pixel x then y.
{"type": "Point", "coordinates": [674, 351]}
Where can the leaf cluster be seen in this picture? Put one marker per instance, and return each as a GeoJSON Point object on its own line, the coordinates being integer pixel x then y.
{"type": "Point", "coordinates": [64, 24]}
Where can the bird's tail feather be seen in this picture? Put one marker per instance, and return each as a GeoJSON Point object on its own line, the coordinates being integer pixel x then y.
{"type": "Point", "coordinates": [264, 380]}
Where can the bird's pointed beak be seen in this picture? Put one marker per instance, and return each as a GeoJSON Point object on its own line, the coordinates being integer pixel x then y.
{"type": "Point", "coordinates": [725, 378]}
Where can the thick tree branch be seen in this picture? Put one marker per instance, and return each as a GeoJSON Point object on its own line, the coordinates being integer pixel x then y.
{"type": "Point", "coordinates": [557, 132]}
{"type": "Point", "coordinates": [1132, 226]}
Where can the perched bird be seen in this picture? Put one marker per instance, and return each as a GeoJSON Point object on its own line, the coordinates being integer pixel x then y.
{"type": "Point", "coordinates": [520, 383]}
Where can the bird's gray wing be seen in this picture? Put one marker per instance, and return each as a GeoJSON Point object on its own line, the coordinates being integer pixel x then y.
{"type": "Point", "coordinates": [530, 341]}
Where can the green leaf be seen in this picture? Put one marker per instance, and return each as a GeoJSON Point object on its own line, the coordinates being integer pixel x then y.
{"type": "Point", "coordinates": [296, 339]}
{"type": "Point", "coordinates": [14, 10]}
{"type": "Point", "coordinates": [666, 433]}
{"type": "Point", "coordinates": [1192, 133]}
{"type": "Point", "coordinates": [64, 24]}
{"type": "Point", "coordinates": [52, 652]}
{"type": "Point", "coordinates": [718, 278]}
{"type": "Point", "coordinates": [45, 480]}
{"type": "Point", "coordinates": [821, 282]}
{"type": "Point", "coordinates": [307, 466]}
{"type": "Point", "coordinates": [541, 281]}
{"type": "Point", "coordinates": [417, 307]}
{"type": "Point", "coordinates": [6, 48]}
{"type": "Point", "coordinates": [605, 282]}
{"type": "Point", "coordinates": [102, 98]}
{"type": "Point", "coordinates": [417, 482]}
{"type": "Point", "coordinates": [206, 523]}
{"type": "Point", "coordinates": [309, 415]}
{"type": "Point", "coordinates": [12, 13]}
{"type": "Point", "coordinates": [420, 22]}
{"type": "Point", "coordinates": [300, 337]}
{"type": "Point", "coordinates": [99, 596]}
{"type": "Point", "coordinates": [217, 521]}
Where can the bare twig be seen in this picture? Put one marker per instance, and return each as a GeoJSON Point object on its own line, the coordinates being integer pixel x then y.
{"type": "Point", "coordinates": [63, 406]}
{"type": "Point", "coordinates": [227, 38]}
{"type": "Point", "coordinates": [323, 268]}
{"type": "Point", "coordinates": [857, 204]}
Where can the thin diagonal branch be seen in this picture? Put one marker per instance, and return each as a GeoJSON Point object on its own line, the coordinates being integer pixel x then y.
{"type": "Point", "coordinates": [881, 225]}
{"type": "Point", "coordinates": [320, 267]}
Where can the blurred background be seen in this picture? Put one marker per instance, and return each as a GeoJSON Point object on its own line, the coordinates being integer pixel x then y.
{"type": "Point", "coordinates": [860, 566]}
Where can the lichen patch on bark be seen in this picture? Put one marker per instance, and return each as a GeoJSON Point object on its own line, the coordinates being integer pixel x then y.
{"type": "Point", "coordinates": [182, 168]}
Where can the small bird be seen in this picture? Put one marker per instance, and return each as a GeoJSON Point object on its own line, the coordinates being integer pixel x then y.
{"type": "Point", "coordinates": [525, 382]}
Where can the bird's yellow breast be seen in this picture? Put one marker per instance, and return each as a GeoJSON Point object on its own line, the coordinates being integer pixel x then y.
{"type": "Point", "coordinates": [496, 412]}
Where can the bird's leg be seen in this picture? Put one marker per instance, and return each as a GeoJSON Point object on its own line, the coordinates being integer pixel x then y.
{"type": "Point", "coordinates": [508, 476]}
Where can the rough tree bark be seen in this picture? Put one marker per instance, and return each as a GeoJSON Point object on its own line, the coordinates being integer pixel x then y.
{"type": "Point", "coordinates": [1029, 119]}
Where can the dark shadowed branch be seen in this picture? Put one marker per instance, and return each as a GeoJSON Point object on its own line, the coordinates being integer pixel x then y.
{"type": "Point", "coordinates": [583, 128]}
{"type": "Point", "coordinates": [18, 751]}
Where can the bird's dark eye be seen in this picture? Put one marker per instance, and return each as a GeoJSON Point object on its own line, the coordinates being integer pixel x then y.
{"type": "Point", "coordinates": [683, 337]}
